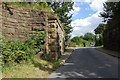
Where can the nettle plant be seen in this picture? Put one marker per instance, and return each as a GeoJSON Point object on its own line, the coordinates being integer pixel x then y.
{"type": "Point", "coordinates": [17, 51]}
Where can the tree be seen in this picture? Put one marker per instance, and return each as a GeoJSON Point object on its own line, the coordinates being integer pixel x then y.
{"type": "Point", "coordinates": [111, 11]}
{"type": "Point", "coordinates": [89, 37]}
{"type": "Point", "coordinates": [62, 9]}
{"type": "Point", "coordinates": [111, 15]}
{"type": "Point", "coordinates": [80, 42]}
{"type": "Point", "coordinates": [81, 37]}
{"type": "Point", "coordinates": [76, 39]}
{"type": "Point", "coordinates": [100, 29]}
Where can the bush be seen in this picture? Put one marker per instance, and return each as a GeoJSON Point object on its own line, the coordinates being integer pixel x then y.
{"type": "Point", "coordinates": [16, 51]}
{"type": "Point", "coordinates": [80, 42]}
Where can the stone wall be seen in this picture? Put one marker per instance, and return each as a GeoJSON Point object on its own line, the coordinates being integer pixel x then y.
{"type": "Point", "coordinates": [17, 21]}
{"type": "Point", "coordinates": [56, 37]}
{"type": "Point", "coordinates": [111, 37]}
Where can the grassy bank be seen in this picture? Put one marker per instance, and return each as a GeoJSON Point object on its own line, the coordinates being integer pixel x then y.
{"type": "Point", "coordinates": [38, 68]}
{"type": "Point", "coordinates": [19, 59]}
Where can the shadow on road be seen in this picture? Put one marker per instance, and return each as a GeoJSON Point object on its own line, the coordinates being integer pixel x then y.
{"type": "Point", "coordinates": [88, 63]}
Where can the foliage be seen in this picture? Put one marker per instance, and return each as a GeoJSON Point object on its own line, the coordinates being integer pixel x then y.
{"type": "Point", "coordinates": [99, 42]}
{"type": "Point", "coordinates": [111, 15]}
{"type": "Point", "coordinates": [86, 43]}
{"type": "Point", "coordinates": [80, 42]}
{"type": "Point", "coordinates": [16, 51]}
{"type": "Point", "coordinates": [89, 37]}
{"type": "Point", "coordinates": [100, 29]}
{"type": "Point", "coordinates": [81, 37]}
{"type": "Point", "coordinates": [62, 9]}
{"type": "Point", "coordinates": [111, 11]}
{"type": "Point", "coordinates": [77, 40]}
{"type": "Point", "coordinates": [32, 5]}
{"type": "Point", "coordinates": [36, 69]}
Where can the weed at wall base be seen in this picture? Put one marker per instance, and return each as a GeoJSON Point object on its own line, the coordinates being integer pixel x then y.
{"type": "Point", "coordinates": [17, 51]}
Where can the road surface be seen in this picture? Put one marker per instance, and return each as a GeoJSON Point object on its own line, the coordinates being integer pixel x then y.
{"type": "Point", "coordinates": [88, 63]}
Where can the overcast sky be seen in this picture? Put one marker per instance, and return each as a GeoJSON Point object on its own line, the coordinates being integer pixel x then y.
{"type": "Point", "coordinates": [86, 16]}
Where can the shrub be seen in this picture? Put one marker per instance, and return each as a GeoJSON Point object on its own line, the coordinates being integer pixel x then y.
{"type": "Point", "coordinates": [16, 51]}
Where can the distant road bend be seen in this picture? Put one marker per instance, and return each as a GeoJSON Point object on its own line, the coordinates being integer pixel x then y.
{"type": "Point", "coordinates": [88, 63]}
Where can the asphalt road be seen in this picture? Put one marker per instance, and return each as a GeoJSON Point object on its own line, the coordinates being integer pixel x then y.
{"type": "Point", "coordinates": [88, 63]}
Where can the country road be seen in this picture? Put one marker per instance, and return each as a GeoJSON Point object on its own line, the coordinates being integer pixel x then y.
{"type": "Point", "coordinates": [88, 63]}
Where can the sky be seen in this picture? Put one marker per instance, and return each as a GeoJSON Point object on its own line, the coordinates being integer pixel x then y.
{"type": "Point", "coordinates": [86, 16]}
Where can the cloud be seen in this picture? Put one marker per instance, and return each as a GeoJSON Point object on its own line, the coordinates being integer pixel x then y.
{"type": "Point", "coordinates": [89, 1]}
{"type": "Point", "coordinates": [85, 25]}
{"type": "Point", "coordinates": [76, 10]}
{"type": "Point", "coordinates": [97, 5]}
{"type": "Point", "coordinates": [83, 22]}
{"type": "Point", "coordinates": [88, 24]}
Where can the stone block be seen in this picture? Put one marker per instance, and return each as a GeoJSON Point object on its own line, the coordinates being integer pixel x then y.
{"type": "Point", "coordinates": [10, 30]}
{"type": "Point", "coordinates": [53, 35]}
{"type": "Point", "coordinates": [53, 48]}
{"type": "Point", "coordinates": [52, 30]}
{"type": "Point", "coordinates": [39, 28]}
{"type": "Point", "coordinates": [21, 36]}
{"type": "Point", "coordinates": [52, 25]}
{"type": "Point", "coordinates": [53, 56]}
{"type": "Point", "coordinates": [12, 20]}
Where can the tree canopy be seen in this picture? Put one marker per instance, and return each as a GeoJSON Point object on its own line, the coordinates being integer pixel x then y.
{"type": "Point", "coordinates": [100, 29]}
{"type": "Point", "coordinates": [89, 37]}
{"type": "Point", "coordinates": [111, 11]}
{"type": "Point", "coordinates": [76, 39]}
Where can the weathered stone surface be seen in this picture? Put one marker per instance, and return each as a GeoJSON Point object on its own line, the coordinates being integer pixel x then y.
{"type": "Point", "coordinates": [112, 37]}
{"type": "Point", "coordinates": [53, 35]}
{"type": "Point", "coordinates": [11, 20]}
{"type": "Point", "coordinates": [10, 30]}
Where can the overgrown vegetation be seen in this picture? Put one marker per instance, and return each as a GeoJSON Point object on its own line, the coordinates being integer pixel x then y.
{"type": "Point", "coordinates": [38, 68]}
{"type": "Point", "coordinates": [17, 51]}
{"type": "Point", "coordinates": [20, 59]}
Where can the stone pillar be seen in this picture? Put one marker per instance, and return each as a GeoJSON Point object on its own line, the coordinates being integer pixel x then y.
{"type": "Point", "coordinates": [53, 42]}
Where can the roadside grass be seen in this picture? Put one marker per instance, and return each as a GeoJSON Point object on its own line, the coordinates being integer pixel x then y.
{"type": "Point", "coordinates": [100, 46]}
{"type": "Point", "coordinates": [38, 68]}
{"type": "Point", "coordinates": [109, 52]}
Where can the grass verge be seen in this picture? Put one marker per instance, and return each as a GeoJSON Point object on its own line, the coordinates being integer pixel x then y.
{"type": "Point", "coordinates": [38, 68]}
{"type": "Point", "coordinates": [109, 52]}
